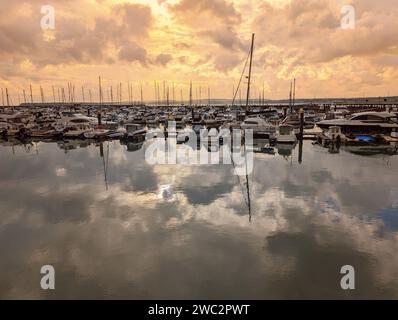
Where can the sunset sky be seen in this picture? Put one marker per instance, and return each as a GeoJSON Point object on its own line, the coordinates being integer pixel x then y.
{"type": "Point", "coordinates": [206, 41]}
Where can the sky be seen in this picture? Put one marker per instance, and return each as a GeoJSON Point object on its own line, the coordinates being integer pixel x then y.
{"type": "Point", "coordinates": [138, 42]}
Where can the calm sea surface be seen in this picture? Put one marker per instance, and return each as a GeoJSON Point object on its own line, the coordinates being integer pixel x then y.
{"type": "Point", "coordinates": [117, 227]}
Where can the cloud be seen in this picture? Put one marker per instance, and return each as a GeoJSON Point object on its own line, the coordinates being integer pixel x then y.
{"type": "Point", "coordinates": [225, 37]}
{"type": "Point", "coordinates": [192, 11]}
{"type": "Point", "coordinates": [133, 52]}
{"type": "Point", "coordinates": [163, 59]}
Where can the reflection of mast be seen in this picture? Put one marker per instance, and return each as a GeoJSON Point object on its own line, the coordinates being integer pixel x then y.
{"type": "Point", "coordinates": [248, 202]}
{"type": "Point", "coordinates": [105, 163]}
{"type": "Point", "coordinates": [247, 185]}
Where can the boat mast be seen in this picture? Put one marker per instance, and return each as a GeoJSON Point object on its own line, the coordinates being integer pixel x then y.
{"type": "Point", "coordinates": [100, 97]}
{"type": "Point", "coordinates": [250, 74]}
{"type": "Point", "coordinates": [31, 94]}
{"type": "Point", "coordinates": [190, 100]}
{"type": "Point", "coordinates": [290, 98]}
{"type": "Point", "coordinates": [142, 96]}
{"type": "Point", "coordinates": [8, 98]}
{"type": "Point", "coordinates": [294, 92]}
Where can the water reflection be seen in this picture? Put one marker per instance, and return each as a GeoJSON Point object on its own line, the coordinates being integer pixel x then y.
{"type": "Point", "coordinates": [115, 227]}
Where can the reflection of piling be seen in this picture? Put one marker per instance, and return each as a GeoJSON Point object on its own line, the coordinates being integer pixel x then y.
{"type": "Point", "coordinates": [300, 160]}
{"type": "Point", "coordinates": [101, 150]}
{"type": "Point", "coordinates": [301, 125]}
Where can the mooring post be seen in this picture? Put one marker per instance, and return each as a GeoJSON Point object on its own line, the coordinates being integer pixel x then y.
{"type": "Point", "coordinates": [99, 118]}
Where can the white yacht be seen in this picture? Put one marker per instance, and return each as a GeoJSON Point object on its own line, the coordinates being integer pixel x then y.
{"type": "Point", "coordinates": [260, 127]}
{"type": "Point", "coordinates": [286, 134]}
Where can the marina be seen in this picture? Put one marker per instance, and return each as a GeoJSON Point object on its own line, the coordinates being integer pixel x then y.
{"type": "Point", "coordinates": [132, 123]}
{"type": "Point", "coordinates": [198, 157]}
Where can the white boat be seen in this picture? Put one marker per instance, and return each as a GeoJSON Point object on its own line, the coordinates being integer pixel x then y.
{"type": "Point", "coordinates": [286, 134]}
{"type": "Point", "coordinates": [260, 127]}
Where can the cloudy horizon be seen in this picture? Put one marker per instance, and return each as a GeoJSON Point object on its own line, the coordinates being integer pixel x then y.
{"type": "Point", "coordinates": [207, 42]}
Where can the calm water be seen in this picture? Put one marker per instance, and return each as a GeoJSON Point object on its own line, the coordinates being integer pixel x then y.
{"type": "Point", "coordinates": [165, 232]}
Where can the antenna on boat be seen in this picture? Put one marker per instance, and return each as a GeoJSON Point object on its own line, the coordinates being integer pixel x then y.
{"type": "Point", "coordinates": [250, 75]}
